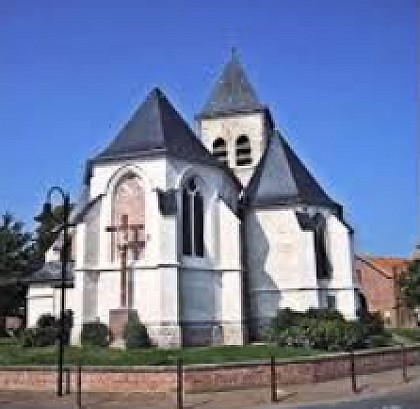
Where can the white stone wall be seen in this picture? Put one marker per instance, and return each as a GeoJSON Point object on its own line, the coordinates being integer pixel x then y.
{"type": "Point", "coordinates": [282, 268]}
{"type": "Point", "coordinates": [208, 284]}
{"type": "Point", "coordinates": [280, 262]}
{"type": "Point", "coordinates": [340, 250]}
{"type": "Point", "coordinates": [39, 300]}
{"type": "Point", "coordinates": [230, 128]}
{"type": "Point", "coordinates": [168, 287]}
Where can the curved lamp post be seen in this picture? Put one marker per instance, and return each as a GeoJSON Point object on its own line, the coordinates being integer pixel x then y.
{"type": "Point", "coordinates": [64, 257]}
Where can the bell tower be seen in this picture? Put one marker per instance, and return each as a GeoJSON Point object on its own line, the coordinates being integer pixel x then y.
{"type": "Point", "coordinates": [233, 124]}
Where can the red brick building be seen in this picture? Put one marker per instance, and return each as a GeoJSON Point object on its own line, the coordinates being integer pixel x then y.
{"type": "Point", "coordinates": [377, 277]}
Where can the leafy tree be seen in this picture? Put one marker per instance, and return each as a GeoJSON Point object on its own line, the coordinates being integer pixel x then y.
{"type": "Point", "coordinates": [46, 233]}
{"type": "Point", "coordinates": [410, 284]}
{"type": "Point", "coordinates": [16, 254]}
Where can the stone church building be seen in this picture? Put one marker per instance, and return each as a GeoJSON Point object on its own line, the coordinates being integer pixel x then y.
{"type": "Point", "coordinates": [203, 234]}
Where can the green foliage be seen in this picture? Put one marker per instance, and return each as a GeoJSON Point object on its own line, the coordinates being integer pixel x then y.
{"type": "Point", "coordinates": [285, 318]}
{"type": "Point", "coordinates": [46, 320]}
{"type": "Point", "coordinates": [135, 333]}
{"type": "Point", "coordinates": [8, 340]}
{"type": "Point", "coordinates": [90, 355]}
{"type": "Point", "coordinates": [412, 334]}
{"type": "Point", "coordinates": [15, 263]}
{"type": "Point", "coordinates": [372, 322]}
{"type": "Point", "coordinates": [95, 334]}
{"type": "Point", "coordinates": [44, 334]}
{"type": "Point", "coordinates": [410, 284]}
{"type": "Point", "coordinates": [380, 340]}
{"type": "Point", "coordinates": [46, 233]}
{"type": "Point", "coordinates": [39, 336]}
{"type": "Point", "coordinates": [324, 314]}
{"type": "Point", "coordinates": [325, 330]}
{"type": "Point", "coordinates": [47, 331]}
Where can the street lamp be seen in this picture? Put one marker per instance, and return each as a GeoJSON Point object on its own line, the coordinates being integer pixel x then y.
{"type": "Point", "coordinates": [64, 257]}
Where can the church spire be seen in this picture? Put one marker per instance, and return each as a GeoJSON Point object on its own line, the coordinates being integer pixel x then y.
{"type": "Point", "coordinates": [233, 92]}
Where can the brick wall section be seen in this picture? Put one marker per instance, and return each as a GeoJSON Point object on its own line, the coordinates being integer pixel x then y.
{"type": "Point", "coordinates": [210, 377]}
{"type": "Point", "coordinates": [377, 279]}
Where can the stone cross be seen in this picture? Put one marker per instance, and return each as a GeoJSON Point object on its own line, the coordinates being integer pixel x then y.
{"type": "Point", "coordinates": [124, 244]}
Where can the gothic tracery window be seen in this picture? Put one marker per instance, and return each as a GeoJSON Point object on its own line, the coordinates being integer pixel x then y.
{"type": "Point", "coordinates": [192, 220]}
{"type": "Point", "coordinates": [243, 151]}
{"type": "Point", "coordinates": [220, 150]}
{"type": "Point", "coordinates": [128, 216]}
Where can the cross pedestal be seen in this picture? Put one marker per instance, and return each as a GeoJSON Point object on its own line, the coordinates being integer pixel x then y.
{"type": "Point", "coordinates": [118, 317]}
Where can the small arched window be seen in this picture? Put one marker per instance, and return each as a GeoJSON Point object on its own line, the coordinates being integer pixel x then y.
{"type": "Point", "coordinates": [192, 220]}
{"type": "Point", "coordinates": [220, 150]}
{"type": "Point", "coordinates": [243, 151]}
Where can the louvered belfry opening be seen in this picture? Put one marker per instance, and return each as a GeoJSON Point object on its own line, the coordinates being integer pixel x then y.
{"type": "Point", "coordinates": [243, 151]}
{"type": "Point", "coordinates": [220, 150]}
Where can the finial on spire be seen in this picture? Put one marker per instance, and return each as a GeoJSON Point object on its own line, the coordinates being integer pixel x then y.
{"type": "Point", "coordinates": [234, 53]}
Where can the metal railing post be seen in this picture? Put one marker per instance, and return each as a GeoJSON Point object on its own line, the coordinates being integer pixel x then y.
{"type": "Point", "coordinates": [79, 386]}
{"type": "Point", "coordinates": [404, 363]}
{"type": "Point", "coordinates": [353, 372]}
{"type": "Point", "coordinates": [68, 380]}
{"type": "Point", "coordinates": [179, 385]}
{"type": "Point", "coordinates": [273, 379]}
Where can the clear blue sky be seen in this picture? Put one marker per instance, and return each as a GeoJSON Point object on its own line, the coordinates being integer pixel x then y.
{"type": "Point", "coordinates": [339, 77]}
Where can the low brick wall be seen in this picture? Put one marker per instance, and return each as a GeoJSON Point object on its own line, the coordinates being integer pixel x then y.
{"type": "Point", "coordinates": [211, 377]}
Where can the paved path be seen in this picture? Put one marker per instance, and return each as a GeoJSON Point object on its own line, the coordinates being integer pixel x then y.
{"type": "Point", "coordinates": [406, 398]}
{"type": "Point", "coordinates": [378, 391]}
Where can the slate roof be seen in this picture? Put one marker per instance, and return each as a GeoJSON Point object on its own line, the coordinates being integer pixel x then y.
{"type": "Point", "coordinates": [232, 93]}
{"type": "Point", "coordinates": [51, 272]}
{"type": "Point", "coordinates": [156, 127]}
{"type": "Point", "coordinates": [281, 178]}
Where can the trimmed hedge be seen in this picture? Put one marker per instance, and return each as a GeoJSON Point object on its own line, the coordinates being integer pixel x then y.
{"type": "Point", "coordinates": [47, 331]}
{"type": "Point", "coordinates": [95, 334]}
{"type": "Point", "coordinates": [135, 333]}
{"type": "Point", "coordinates": [326, 330]}
{"type": "Point", "coordinates": [412, 334]}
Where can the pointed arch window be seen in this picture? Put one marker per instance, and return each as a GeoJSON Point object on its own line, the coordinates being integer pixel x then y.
{"type": "Point", "coordinates": [192, 220]}
{"type": "Point", "coordinates": [243, 151]}
{"type": "Point", "coordinates": [128, 217]}
{"type": "Point", "coordinates": [220, 150]}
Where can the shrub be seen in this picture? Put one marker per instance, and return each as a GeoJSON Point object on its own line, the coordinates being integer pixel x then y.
{"type": "Point", "coordinates": [323, 314]}
{"type": "Point", "coordinates": [326, 330]}
{"type": "Point", "coordinates": [285, 317]}
{"type": "Point", "coordinates": [412, 334]}
{"type": "Point", "coordinates": [46, 320]}
{"type": "Point", "coordinates": [39, 336]}
{"type": "Point", "coordinates": [135, 333]}
{"type": "Point", "coordinates": [27, 337]}
{"type": "Point", "coordinates": [95, 333]}
{"type": "Point", "coordinates": [373, 323]}
{"type": "Point", "coordinates": [44, 334]}
{"type": "Point", "coordinates": [382, 340]}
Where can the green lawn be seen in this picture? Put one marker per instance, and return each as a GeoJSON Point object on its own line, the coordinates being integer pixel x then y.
{"type": "Point", "coordinates": [16, 355]}
{"type": "Point", "coordinates": [411, 335]}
